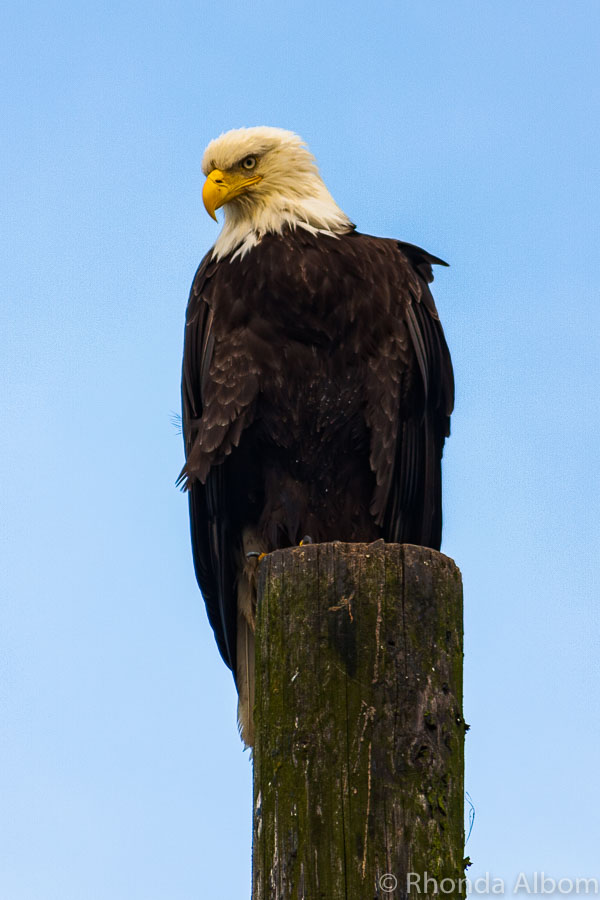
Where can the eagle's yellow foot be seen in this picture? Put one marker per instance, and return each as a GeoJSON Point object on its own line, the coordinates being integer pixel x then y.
{"type": "Point", "coordinates": [254, 554]}
{"type": "Point", "coordinates": [305, 540]}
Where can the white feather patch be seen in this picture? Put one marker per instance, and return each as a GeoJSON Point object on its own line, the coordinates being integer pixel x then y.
{"type": "Point", "coordinates": [291, 193]}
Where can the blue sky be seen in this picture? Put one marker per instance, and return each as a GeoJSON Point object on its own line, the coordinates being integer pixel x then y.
{"type": "Point", "coordinates": [470, 128]}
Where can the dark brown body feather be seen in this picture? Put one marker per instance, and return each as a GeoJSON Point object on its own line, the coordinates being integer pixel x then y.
{"type": "Point", "coordinates": [317, 391]}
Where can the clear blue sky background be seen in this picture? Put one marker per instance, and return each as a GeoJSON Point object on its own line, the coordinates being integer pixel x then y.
{"type": "Point", "coordinates": [470, 128]}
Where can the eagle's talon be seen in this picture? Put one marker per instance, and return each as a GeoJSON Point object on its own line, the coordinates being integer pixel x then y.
{"type": "Point", "coordinates": [254, 554]}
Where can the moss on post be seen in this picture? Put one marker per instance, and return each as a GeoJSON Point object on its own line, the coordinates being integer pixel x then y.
{"type": "Point", "coordinates": [358, 762]}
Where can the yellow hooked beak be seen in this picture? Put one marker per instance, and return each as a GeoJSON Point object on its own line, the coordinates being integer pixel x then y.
{"type": "Point", "coordinates": [221, 187]}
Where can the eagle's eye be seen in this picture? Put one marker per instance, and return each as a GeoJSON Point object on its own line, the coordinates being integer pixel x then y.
{"type": "Point", "coordinates": [249, 162]}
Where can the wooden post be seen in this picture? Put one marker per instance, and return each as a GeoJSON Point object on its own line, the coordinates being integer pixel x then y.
{"type": "Point", "coordinates": [358, 759]}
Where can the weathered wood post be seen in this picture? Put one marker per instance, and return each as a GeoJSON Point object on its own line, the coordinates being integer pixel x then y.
{"type": "Point", "coordinates": [358, 760]}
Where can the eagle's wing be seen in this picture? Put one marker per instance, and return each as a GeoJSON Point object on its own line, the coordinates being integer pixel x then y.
{"type": "Point", "coordinates": [410, 399]}
{"type": "Point", "coordinates": [219, 386]}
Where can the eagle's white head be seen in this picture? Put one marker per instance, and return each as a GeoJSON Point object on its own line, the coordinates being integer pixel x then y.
{"type": "Point", "coordinates": [266, 179]}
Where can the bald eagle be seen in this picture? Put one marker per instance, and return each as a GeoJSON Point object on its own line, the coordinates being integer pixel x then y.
{"type": "Point", "coordinates": [317, 384]}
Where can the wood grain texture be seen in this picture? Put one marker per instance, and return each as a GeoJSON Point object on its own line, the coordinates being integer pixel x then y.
{"type": "Point", "coordinates": [358, 761]}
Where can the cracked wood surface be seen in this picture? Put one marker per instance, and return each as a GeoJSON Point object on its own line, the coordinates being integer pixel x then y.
{"type": "Point", "coordinates": [358, 760]}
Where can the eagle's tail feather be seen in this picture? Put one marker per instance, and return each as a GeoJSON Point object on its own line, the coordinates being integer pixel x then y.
{"type": "Point", "coordinates": [252, 550]}
{"type": "Point", "coordinates": [245, 679]}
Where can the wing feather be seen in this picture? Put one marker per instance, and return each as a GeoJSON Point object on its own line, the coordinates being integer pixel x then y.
{"type": "Point", "coordinates": [407, 437]}
{"type": "Point", "coordinates": [217, 403]}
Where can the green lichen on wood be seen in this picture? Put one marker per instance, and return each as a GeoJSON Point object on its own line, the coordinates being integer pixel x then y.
{"type": "Point", "coordinates": [359, 729]}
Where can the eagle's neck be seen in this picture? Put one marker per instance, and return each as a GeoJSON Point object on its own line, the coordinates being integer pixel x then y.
{"type": "Point", "coordinates": [249, 217]}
